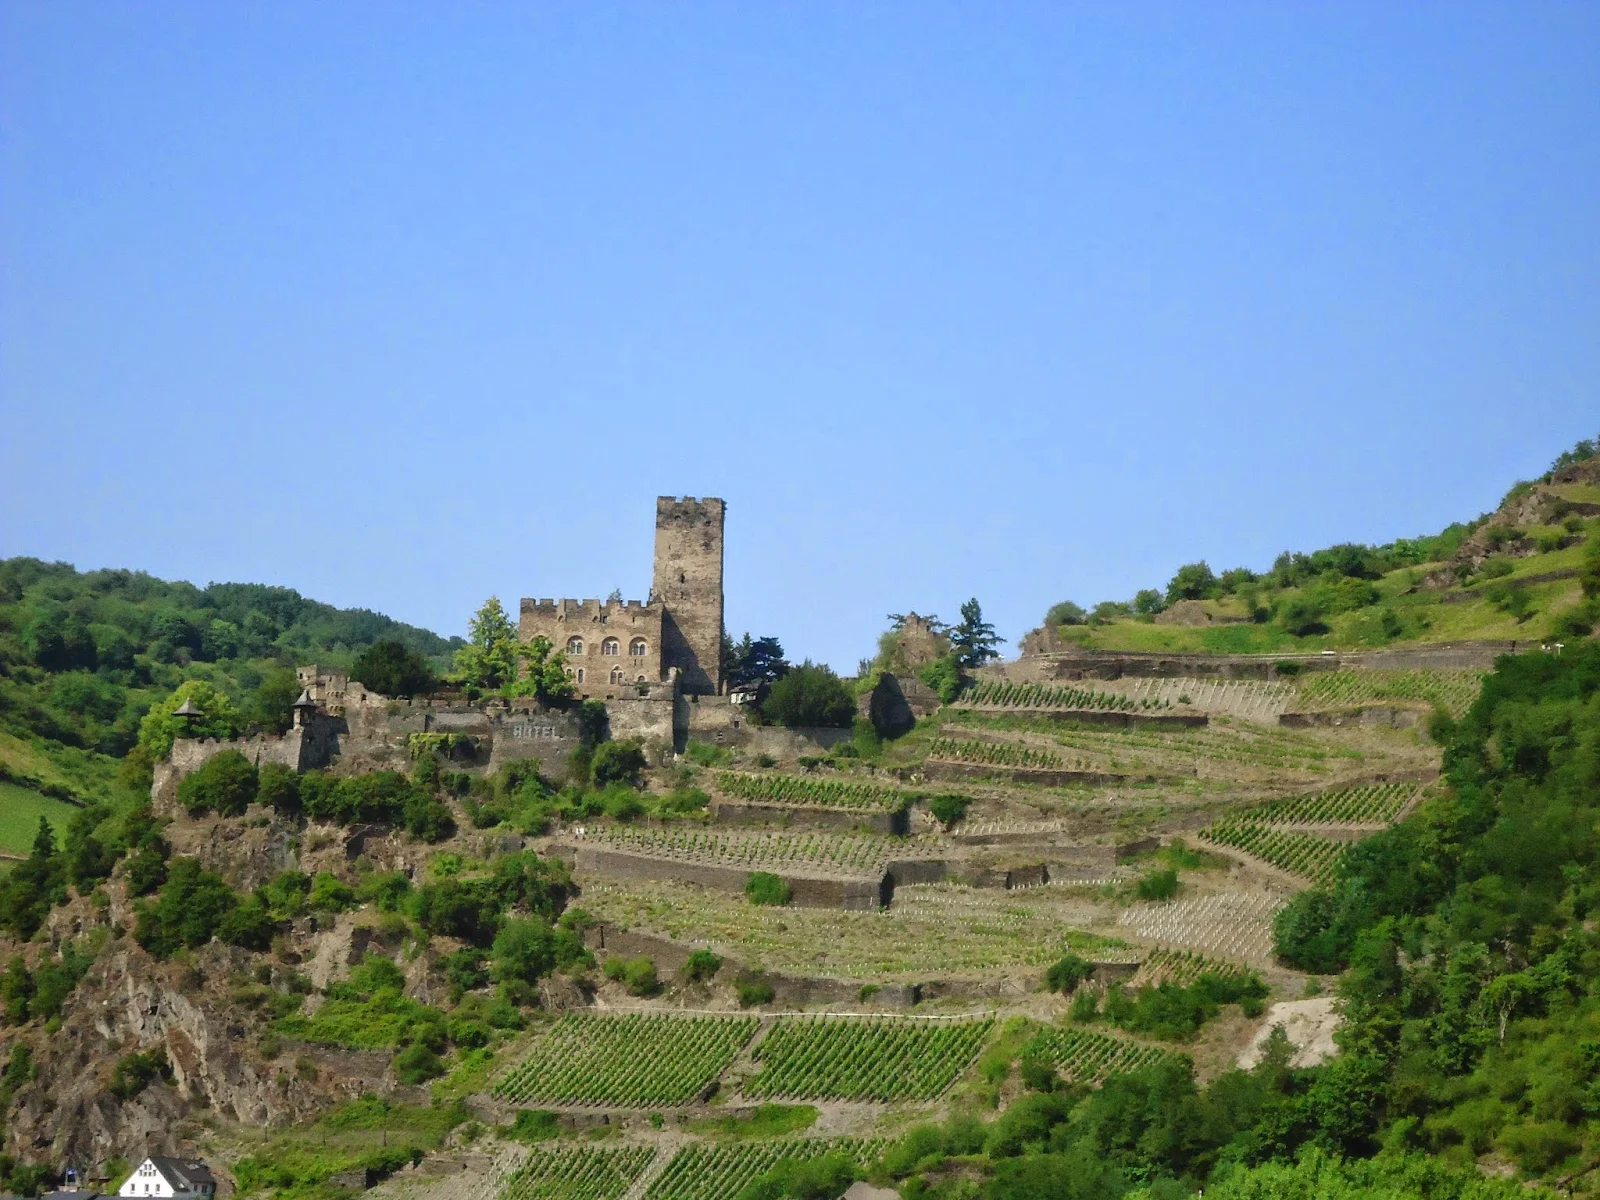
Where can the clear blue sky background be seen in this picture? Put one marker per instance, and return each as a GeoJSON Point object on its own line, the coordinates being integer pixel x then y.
{"type": "Point", "coordinates": [402, 305]}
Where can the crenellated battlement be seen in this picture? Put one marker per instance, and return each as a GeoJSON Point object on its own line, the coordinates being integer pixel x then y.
{"type": "Point", "coordinates": [603, 611]}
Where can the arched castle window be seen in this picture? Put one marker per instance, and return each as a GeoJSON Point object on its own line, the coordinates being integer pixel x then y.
{"type": "Point", "coordinates": [574, 645]}
{"type": "Point", "coordinates": [580, 674]}
{"type": "Point", "coordinates": [637, 648]}
{"type": "Point", "coordinates": [640, 679]}
{"type": "Point", "coordinates": [616, 674]}
{"type": "Point", "coordinates": [611, 646]}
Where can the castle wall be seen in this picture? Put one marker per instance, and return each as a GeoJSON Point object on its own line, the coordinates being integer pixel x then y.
{"type": "Point", "coordinates": [591, 624]}
{"type": "Point", "coordinates": [688, 583]}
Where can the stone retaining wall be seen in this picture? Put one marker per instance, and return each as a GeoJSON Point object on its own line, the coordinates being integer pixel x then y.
{"type": "Point", "coordinates": [1040, 777]}
{"type": "Point", "coordinates": [1099, 717]}
{"type": "Point", "coordinates": [808, 891]}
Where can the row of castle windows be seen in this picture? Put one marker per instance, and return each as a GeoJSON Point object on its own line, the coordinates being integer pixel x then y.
{"type": "Point", "coordinates": [616, 675]}
{"type": "Point", "coordinates": [610, 647]}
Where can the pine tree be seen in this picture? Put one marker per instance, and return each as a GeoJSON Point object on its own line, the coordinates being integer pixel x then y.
{"type": "Point", "coordinates": [974, 639]}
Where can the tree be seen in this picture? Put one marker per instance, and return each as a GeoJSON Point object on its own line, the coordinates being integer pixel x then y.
{"type": "Point", "coordinates": [810, 695]}
{"type": "Point", "coordinates": [390, 669]}
{"type": "Point", "coordinates": [1065, 613]}
{"type": "Point", "coordinates": [225, 784]}
{"type": "Point", "coordinates": [758, 661]}
{"type": "Point", "coordinates": [544, 672]}
{"type": "Point", "coordinates": [218, 718]}
{"type": "Point", "coordinates": [974, 639]}
{"type": "Point", "coordinates": [1194, 581]}
{"type": "Point", "coordinates": [489, 659]}
{"type": "Point", "coordinates": [272, 704]}
{"type": "Point", "coordinates": [524, 951]}
{"type": "Point", "coordinates": [617, 762]}
{"type": "Point", "coordinates": [1147, 602]}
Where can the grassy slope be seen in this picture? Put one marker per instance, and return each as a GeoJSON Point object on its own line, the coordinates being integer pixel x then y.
{"type": "Point", "coordinates": [1425, 616]}
{"type": "Point", "coordinates": [20, 810]}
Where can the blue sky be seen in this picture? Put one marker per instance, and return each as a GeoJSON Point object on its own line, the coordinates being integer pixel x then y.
{"type": "Point", "coordinates": [404, 305]}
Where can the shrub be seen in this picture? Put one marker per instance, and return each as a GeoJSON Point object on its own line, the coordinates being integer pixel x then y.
{"type": "Point", "coordinates": [753, 991]}
{"type": "Point", "coordinates": [135, 1072]}
{"type": "Point", "coordinates": [943, 675]}
{"type": "Point", "coordinates": [1067, 973]}
{"type": "Point", "coordinates": [810, 695]}
{"type": "Point", "coordinates": [427, 818]}
{"type": "Point", "coordinates": [534, 1125]}
{"type": "Point", "coordinates": [702, 965]}
{"type": "Point", "coordinates": [704, 754]}
{"type": "Point", "coordinates": [1158, 885]}
{"type": "Point", "coordinates": [763, 887]}
{"type": "Point", "coordinates": [225, 783]}
{"type": "Point", "coordinates": [1301, 616]}
{"type": "Point", "coordinates": [638, 975]}
{"type": "Point", "coordinates": [279, 788]}
{"type": "Point", "coordinates": [617, 762]}
{"type": "Point", "coordinates": [1065, 613]}
{"type": "Point", "coordinates": [417, 1064]}
{"type": "Point", "coordinates": [948, 808]}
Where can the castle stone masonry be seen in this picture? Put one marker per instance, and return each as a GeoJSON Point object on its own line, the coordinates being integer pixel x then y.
{"type": "Point", "coordinates": [615, 648]}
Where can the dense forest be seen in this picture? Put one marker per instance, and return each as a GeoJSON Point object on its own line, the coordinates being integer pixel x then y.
{"type": "Point", "coordinates": [83, 656]}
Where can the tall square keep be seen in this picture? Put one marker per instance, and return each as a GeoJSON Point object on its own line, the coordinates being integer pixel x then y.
{"type": "Point", "coordinates": [677, 630]}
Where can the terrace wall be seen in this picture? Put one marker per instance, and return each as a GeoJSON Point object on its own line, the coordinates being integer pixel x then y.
{"type": "Point", "coordinates": [808, 891]}
{"type": "Point", "coordinates": [1038, 776]}
{"type": "Point", "coordinates": [1040, 665]}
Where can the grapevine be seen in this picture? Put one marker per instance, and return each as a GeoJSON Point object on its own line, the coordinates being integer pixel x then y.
{"type": "Point", "coordinates": [849, 854]}
{"type": "Point", "coordinates": [1362, 804]}
{"type": "Point", "coordinates": [1454, 691]}
{"type": "Point", "coordinates": [1000, 693]}
{"type": "Point", "coordinates": [851, 1058]}
{"type": "Point", "coordinates": [824, 793]}
{"type": "Point", "coordinates": [1314, 858]}
{"type": "Point", "coordinates": [578, 1173]}
{"type": "Point", "coordinates": [627, 1060]}
{"type": "Point", "coordinates": [997, 754]}
{"type": "Point", "coordinates": [712, 1171]}
{"type": "Point", "coordinates": [1085, 1056]}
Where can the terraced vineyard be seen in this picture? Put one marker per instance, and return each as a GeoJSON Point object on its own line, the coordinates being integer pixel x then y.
{"type": "Point", "coordinates": [1313, 858]}
{"type": "Point", "coordinates": [1233, 925]}
{"type": "Point", "coordinates": [1180, 967]}
{"type": "Point", "coordinates": [626, 1061]}
{"type": "Point", "coordinates": [567, 1172]}
{"type": "Point", "coordinates": [1084, 1056]}
{"type": "Point", "coordinates": [711, 1171]}
{"type": "Point", "coordinates": [1001, 693]}
{"type": "Point", "coordinates": [854, 1058]}
{"type": "Point", "coordinates": [1452, 690]}
{"type": "Point", "coordinates": [1223, 748]}
{"type": "Point", "coordinates": [992, 754]}
{"type": "Point", "coordinates": [1253, 699]}
{"type": "Point", "coordinates": [1362, 804]}
{"type": "Point", "coordinates": [851, 854]}
{"type": "Point", "coordinates": [822, 793]}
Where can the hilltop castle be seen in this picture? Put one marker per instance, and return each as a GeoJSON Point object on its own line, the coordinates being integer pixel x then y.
{"type": "Point", "coordinates": [674, 634]}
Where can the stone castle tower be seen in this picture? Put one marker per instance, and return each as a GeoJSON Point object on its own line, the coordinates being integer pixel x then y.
{"type": "Point", "coordinates": [621, 648]}
{"type": "Point", "coordinates": [688, 583]}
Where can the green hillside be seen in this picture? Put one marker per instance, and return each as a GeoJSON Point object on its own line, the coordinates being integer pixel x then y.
{"type": "Point", "coordinates": [1527, 572]}
{"type": "Point", "coordinates": [83, 655]}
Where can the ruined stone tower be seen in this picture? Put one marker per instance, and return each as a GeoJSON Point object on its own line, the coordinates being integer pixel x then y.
{"type": "Point", "coordinates": [688, 583]}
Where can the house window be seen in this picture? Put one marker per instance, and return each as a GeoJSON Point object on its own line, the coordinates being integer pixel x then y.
{"type": "Point", "coordinates": [637, 648]}
{"type": "Point", "coordinates": [611, 647]}
{"type": "Point", "coordinates": [574, 645]}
